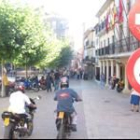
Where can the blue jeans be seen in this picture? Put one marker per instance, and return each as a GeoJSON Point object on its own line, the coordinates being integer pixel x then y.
{"type": "Point", "coordinates": [102, 84]}
{"type": "Point", "coordinates": [56, 85]}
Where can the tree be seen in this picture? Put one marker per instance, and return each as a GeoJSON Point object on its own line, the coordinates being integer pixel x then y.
{"type": "Point", "coordinates": [63, 56]}
{"type": "Point", "coordinates": [22, 34]}
{"type": "Point", "coordinates": [10, 45]}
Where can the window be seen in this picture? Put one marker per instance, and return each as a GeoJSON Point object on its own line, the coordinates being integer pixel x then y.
{"type": "Point", "coordinates": [87, 43]}
{"type": "Point", "coordinates": [113, 39]}
{"type": "Point", "coordinates": [101, 45]}
{"type": "Point", "coordinates": [108, 41]}
{"type": "Point", "coordinates": [104, 43]}
{"type": "Point", "coordinates": [97, 42]}
{"type": "Point", "coordinates": [92, 44]}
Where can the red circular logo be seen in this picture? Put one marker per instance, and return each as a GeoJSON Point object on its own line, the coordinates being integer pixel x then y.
{"type": "Point", "coordinates": [133, 70]}
{"type": "Point", "coordinates": [134, 19]}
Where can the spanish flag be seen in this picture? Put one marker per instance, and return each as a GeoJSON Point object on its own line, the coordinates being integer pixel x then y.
{"type": "Point", "coordinates": [120, 14]}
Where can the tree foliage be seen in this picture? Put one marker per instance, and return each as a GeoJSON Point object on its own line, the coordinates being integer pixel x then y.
{"type": "Point", "coordinates": [61, 56]}
{"type": "Point", "coordinates": [25, 40]}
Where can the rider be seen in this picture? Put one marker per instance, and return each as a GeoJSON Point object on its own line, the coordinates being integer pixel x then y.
{"type": "Point", "coordinates": [42, 80]}
{"type": "Point", "coordinates": [66, 98]}
{"type": "Point", "coordinates": [18, 100]}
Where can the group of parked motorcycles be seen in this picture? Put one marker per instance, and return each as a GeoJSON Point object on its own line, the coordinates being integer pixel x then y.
{"type": "Point", "coordinates": [29, 84]}
{"type": "Point", "coordinates": [32, 84]}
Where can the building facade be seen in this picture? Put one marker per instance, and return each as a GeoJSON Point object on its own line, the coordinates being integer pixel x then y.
{"type": "Point", "coordinates": [59, 25]}
{"type": "Point", "coordinates": [89, 53]}
{"type": "Point", "coordinates": [116, 43]}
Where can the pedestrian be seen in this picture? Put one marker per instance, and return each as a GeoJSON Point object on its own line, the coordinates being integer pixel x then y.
{"type": "Point", "coordinates": [81, 74]}
{"type": "Point", "coordinates": [57, 80]}
{"type": "Point", "coordinates": [78, 74]}
{"type": "Point", "coordinates": [6, 84]}
{"type": "Point", "coordinates": [135, 100]}
{"type": "Point", "coordinates": [48, 83]}
{"type": "Point", "coordinates": [53, 78]}
{"type": "Point", "coordinates": [102, 80]}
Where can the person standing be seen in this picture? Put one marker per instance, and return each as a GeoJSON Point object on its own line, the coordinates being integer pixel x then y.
{"type": "Point", "coordinates": [57, 80]}
{"type": "Point", "coordinates": [102, 80]}
{"type": "Point", "coordinates": [6, 84]}
{"type": "Point", "coordinates": [135, 100]}
{"type": "Point", "coordinates": [48, 83]}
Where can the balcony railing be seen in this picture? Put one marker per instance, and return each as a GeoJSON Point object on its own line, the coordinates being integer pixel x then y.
{"type": "Point", "coordinates": [88, 60]}
{"type": "Point", "coordinates": [123, 46]}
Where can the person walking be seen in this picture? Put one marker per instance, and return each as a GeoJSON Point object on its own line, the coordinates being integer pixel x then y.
{"type": "Point", "coordinates": [135, 100]}
{"type": "Point", "coordinates": [102, 80]}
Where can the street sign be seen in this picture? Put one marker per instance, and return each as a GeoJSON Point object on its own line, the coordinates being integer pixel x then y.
{"type": "Point", "coordinates": [133, 70]}
{"type": "Point", "coordinates": [134, 19]}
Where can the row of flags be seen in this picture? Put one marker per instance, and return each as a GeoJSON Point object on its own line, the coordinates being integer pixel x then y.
{"type": "Point", "coordinates": [114, 15]}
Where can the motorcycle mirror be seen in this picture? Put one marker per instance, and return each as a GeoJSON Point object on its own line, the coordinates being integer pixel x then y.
{"type": "Point", "coordinates": [39, 97]}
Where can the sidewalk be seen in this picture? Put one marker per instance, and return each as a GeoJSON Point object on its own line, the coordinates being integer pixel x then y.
{"type": "Point", "coordinates": [108, 114]}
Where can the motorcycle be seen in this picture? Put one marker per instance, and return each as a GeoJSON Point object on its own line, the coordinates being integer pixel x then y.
{"type": "Point", "coordinates": [64, 125]}
{"type": "Point", "coordinates": [31, 85]}
{"type": "Point", "coordinates": [11, 88]}
{"type": "Point", "coordinates": [120, 86]}
{"type": "Point", "coordinates": [42, 85]}
{"type": "Point", "coordinates": [18, 126]}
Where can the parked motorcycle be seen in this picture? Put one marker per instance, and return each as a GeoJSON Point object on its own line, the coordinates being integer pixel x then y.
{"type": "Point", "coordinates": [42, 85]}
{"type": "Point", "coordinates": [11, 87]}
{"type": "Point", "coordinates": [18, 126]}
{"type": "Point", "coordinates": [120, 86]}
{"type": "Point", "coordinates": [31, 85]}
{"type": "Point", "coordinates": [114, 83]}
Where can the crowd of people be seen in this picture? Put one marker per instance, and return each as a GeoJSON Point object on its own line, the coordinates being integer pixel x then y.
{"type": "Point", "coordinates": [51, 79]}
{"type": "Point", "coordinates": [79, 74]}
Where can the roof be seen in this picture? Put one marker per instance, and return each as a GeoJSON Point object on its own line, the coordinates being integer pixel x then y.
{"type": "Point", "coordinates": [87, 32]}
{"type": "Point", "coordinates": [104, 7]}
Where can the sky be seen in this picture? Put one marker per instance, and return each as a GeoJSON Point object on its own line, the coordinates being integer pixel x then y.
{"type": "Point", "coordinates": [78, 12]}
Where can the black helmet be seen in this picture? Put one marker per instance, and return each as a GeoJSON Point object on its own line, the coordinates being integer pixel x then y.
{"type": "Point", "coordinates": [64, 82]}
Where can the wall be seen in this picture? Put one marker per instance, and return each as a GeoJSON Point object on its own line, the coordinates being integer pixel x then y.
{"type": "Point", "coordinates": [107, 35]}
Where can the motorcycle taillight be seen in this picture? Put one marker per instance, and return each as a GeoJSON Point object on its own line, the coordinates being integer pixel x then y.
{"type": "Point", "coordinates": [6, 115]}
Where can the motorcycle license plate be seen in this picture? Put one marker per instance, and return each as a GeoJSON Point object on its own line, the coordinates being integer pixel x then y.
{"type": "Point", "coordinates": [6, 121]}
{"type": "Point", "coordinates": [61, 115]}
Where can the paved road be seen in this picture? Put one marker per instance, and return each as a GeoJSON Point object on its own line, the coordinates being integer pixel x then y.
{"type": "Point", "coordinates": [45, 118]}
{"type": "Point", "coordinates": [104, 114]}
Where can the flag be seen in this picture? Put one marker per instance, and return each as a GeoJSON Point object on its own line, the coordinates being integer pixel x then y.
{"type": "Point", "coordinates": [107, 22]}
{"type": "Point", "coordinates": [115, 14]}
{"type": "Point", "coordinates": [120, 14]}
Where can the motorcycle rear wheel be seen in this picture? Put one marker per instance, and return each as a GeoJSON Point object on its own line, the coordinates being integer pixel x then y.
{"type": "Point", "coordinates": [10, 133]}
{"type": "Point", "coordinates": [61, 133]}
{"type": "Point", "coordinates": [30, 128]}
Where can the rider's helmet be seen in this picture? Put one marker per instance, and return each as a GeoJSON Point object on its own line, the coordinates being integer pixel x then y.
{"type": "Point", "coordinates": [64, 82]}
{"type": "Point", "coordinates": [20, 88]}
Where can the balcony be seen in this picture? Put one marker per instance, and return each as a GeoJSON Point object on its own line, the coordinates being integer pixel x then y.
{"type": "Point", "coordinates": [90, 45]}
{"type": "Point", "coordinates": [88, 60]}
{"type": "Point", "coordinates": [123, 46]}
{"type": "Point", "coordinates": [100, 29]}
